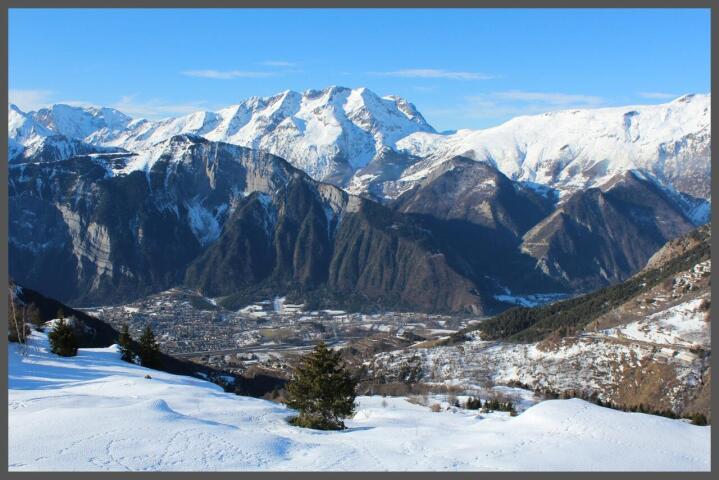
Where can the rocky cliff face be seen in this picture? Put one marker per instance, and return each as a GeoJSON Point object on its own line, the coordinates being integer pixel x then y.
{"type": "Point", "coordinates": [82, 231]}
{"type": "Point", "coordinates": [603, 235]}
{"type": "Point", "coordinates": [225, 219]}
{"type": "Point", "coordinates": [313, 239]}
{"type": "Point", "coordinates": [238, 223]}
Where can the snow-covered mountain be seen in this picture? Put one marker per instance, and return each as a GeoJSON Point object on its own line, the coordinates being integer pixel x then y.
{"type": "Point", "coordinates": [328, 133]}
{"type": "Point", "coordinates": [95, 412]}
{"type": "Point", "coordinates": [81, 122]}
{"type": "Point", "coordinates": [23, 128]}
{"type": "Point", "coordinates": [383, 145]}
{"type": "Point", "coordinates": [577, 149]}
{"type": "Point", "coordinates": [58, 133]}
{"type": "Point", "coordinates": [516, 200]}
{"type": "Point", "coordinates": [23, 131]}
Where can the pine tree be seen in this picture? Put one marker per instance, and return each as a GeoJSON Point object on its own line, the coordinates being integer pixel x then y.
{"type": "Point", "coordinates": [124, 341]}
{"type": "Point", "coordinates": [149, 350]}
{"type": "Point", "coordinates": [699, 419]}
{"type": "Point", "coordinates": [322, 390]}
{"type": "Point", "coordinates": [62, 339]}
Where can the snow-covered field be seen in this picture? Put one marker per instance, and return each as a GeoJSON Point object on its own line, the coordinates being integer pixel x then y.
{"type": "Point", "coordinates": [95, 412]}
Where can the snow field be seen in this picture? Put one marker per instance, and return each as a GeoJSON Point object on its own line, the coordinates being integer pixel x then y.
{"type": "Point", "coordinates": [95, 412]}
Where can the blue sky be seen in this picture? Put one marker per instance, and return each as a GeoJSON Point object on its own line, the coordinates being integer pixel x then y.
{"type": "Point", "coordinates": [461, 68]}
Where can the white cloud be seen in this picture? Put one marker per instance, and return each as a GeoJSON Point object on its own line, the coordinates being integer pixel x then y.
{"type": "Point", "coordinates": [156, 108]}
{"type": "Point", "coordinates": [560, 99]}
{"type": "Point", "coordinates": [279, 63]}
{"type": "Point", "coordinates": [657, 95]}
{"type": "Point", "coordinates": [78, 103]}
{"type": "Point", "coordinates": [29, 99]}
{"type": "Point", "coordinates": [497, 107]}
{"type": "Point", "coordinates": [434, 73]}
{"type": "Point", "coordinates": [227, 74]}
{"type": "Point", "coordinates": [132, 105]}
{"type": "Point", "coordinates": [511, 103]}
{"type": "Point", "coordinates": [424, 88]}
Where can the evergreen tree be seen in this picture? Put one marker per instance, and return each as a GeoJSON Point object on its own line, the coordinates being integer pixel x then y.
{"type": "Point", "coordinates": [62, 339]}
{"type": "Point", "coordinates": [149, 350]}
{"type": "Point", "coordinates": [124, 341]}
{"type": "Point", "coordinates": [322, 390]}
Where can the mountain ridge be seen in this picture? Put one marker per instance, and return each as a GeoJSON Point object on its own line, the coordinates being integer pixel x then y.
{"type": "Point", "coordinates": [339, 135]}
{"type": "Point", "coordinates": [131, 222]}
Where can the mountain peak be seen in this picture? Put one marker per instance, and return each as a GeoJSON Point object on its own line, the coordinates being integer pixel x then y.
{"type": "Point", "coordinates": [335, 132]}
{"type": "Point", "coordinates": [580, 148]}
{"type": "Point", "coordinates": [80, 122]}
{"type": "Point", "coordinates": [14, 108]}
{"type": "Point", "coordinates": [329, 133]}
{"type": "Point", "coordinates": [685, 98]}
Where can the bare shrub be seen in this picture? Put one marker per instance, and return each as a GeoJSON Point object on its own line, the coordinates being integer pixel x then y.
{"type": "Point", "coordinates": [705, 305]}
{"type": "Point", "coordinates": [18, 325]}
{"type": "Point", "coordinates": [435, 407]}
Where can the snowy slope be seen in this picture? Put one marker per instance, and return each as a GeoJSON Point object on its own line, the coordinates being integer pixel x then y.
{"type": "Point", "coordinates": [22, 127]}
{"type": "Point", "coordinates": [95, 412]}
{"type": "Point", "coordinates": [574, 149]}
{"type": "Point", "coordinates": [37, 136]}
{"type": "Point", "coordinates": [81, 122]}
{"type": "Point", "coordinates": [682, 324]}
{"type": "Point", "coordinates": [23, 131]}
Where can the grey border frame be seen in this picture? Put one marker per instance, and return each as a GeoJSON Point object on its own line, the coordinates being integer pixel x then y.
{"type": "Point", "coordinates": [346, 4]}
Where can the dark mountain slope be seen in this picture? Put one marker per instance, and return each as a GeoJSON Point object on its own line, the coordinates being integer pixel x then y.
{"type": "Point", "coordinates": [602, 236]}
{"type": "Point", "coordinates": [476, 192]}
{"type": "Point", "coordinates": [83, 233]}
{"type": "Point", "coordinates": [315, 241]}
{"type": "Point", "coordinates": [480, 215]}
{"type": "Point", "coordinates": [246, 225]}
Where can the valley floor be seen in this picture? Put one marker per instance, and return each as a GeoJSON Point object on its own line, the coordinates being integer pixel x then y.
{"type": "Point", "coordinates": [95, 412]}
